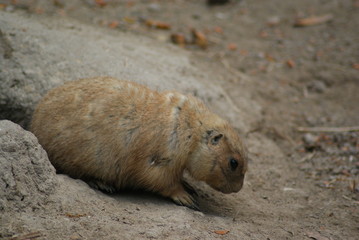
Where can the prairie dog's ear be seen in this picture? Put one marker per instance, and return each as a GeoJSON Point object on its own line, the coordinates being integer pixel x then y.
{"type": "Point", "coordinates": [214, 137]}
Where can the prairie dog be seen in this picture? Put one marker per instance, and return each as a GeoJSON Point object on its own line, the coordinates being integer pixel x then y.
{"type": "Point", "coordinates": [118, 134]}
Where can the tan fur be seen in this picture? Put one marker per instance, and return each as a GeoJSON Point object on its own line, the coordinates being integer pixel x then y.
{"type": "Point", "coordinates": [118, 134]}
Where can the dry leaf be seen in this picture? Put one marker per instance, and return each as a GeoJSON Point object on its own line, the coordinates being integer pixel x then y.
{"type": "Point", "coordinates": [179, 39]}
{"type": "Point", "coordinates": [113, 24]}
{"type": "Point", "coordinates": [75, 215]}
{"type": "Point", "coordinates": [221, 232]}
{"type": "Point", "coordinates": [162, 25]}
{"type": "Point", "coordinates": [232, 46]}
{"type": "Point", "coordinates": [157, 24]}
{"type": "Point", "coordinates": [101, 3]}
{"type": "Point", "coordinates": [356, 66]}
{"type": "Point", "coordinates": [263, 34]}
{"type": "Point", "coordinates": [218, 30]}
{"type": "Point", "coordinates": [309, 21]}
{"type": "Point", "coordinates": [130, 4]}
{"type": "Point", "coordinates": [290, 63]}
{"type": "Point", "coordinates": [243, 52]}
{"type": "Point", "coordinates": [39, 10]}
{"type": "Point", "coordinates": [199, 39]}
{"type": "Point", "coordinates": [269, 57]}
{"type": "Point", "coordinates": [129, 20]}
{"type": "Point", "coordinates": [315, 236]}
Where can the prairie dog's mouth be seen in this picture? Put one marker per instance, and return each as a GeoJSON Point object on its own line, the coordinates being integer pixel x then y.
{"type": "Point", "coordinates": [230, 189]}
{"type": "Point", "coordinates": [227, 191]}
{"type": "Point", "coordinates": [225, 187]}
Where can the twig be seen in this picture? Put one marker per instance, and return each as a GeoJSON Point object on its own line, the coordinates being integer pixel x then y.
{"type": "Point", "coordinates": [328, 129]}
{"type": "Point", "coordinates": [283, 136]}
{"type": "Point", "coordinates": [303, 22]}
{"type": "Point", "coordinates": [290, 232]}
{"type": "Point", "coordinates": [350, 199]}
{"type": "Point", "coordinates": [230, 68]}
{"type": "Point", "coordinates": [307, 157]}
{"type": "Point", "coordinates": [32, 235]}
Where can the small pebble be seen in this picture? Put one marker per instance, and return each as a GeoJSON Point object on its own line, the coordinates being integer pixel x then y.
{"type": "Point", "coordinates": [273, 21]}
{"type": "Point", "coordinates": [221, 16]}
{"type": "Point", "coordinates": [309, 138]}
{"type": "Point", "coordinates": [317, 86]}
{"type": "Point", "coordinates": [9, 8]}
{"type": "Point", "coordinates": [155, 7]}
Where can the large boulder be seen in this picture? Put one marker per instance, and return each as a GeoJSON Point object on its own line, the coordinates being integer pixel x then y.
{"type": "Point", "coordinates": [27, 177]}
{"type": "Point", "coordinates": [38, 54]}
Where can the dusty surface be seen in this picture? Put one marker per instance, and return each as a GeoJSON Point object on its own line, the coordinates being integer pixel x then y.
{"type": "Point", "coordinates": [300, 185]}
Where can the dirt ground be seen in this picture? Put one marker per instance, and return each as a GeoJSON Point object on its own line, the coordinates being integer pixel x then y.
{"type": "Point", "coordinates": [304, 185]}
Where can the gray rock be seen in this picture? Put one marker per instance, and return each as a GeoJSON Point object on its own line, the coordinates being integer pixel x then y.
{"type": "Point", "coordinates": [27, 177]}
{"type": "Point", "coordinates": [310, 139]}
{"type": "Point", "coordinates": [37, 54]}
{"type": "Point", "coordinates": [311, 142]}
{"type": "Point", "coordinates": [154, 7]}
{"type": "Point", "coordinates": [317, 86]}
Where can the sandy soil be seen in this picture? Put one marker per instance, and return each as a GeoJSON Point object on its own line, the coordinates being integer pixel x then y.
{"type": "Point", "coordinates": [301, 185]}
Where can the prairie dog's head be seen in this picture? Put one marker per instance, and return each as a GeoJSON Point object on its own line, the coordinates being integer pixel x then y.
{"type": "Point", "coordinates": [220, 160]}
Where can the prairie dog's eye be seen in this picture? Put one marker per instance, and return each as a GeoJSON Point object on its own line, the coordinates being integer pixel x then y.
{"type": "Point", "coordinates": [215, 139]}
{"type": "Point", "coordinates": [233, 163]}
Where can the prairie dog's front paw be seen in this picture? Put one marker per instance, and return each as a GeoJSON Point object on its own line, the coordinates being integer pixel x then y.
{"type": "Point", "coordinates": [182, 198]}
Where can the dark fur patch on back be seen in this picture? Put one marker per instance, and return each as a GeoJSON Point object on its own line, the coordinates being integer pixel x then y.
{"type": "Point", "coordinates": [157, 160]}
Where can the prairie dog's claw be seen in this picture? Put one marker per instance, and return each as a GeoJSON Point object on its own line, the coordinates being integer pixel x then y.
{"type": "Point", "coordinates": [185, 199]}
{"type": "Point", "coordinates": [181, 195]}
{"type": "Point", "coordinates": [188, 188]}
{"type": "Point", "coordinates": [99, 185]}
